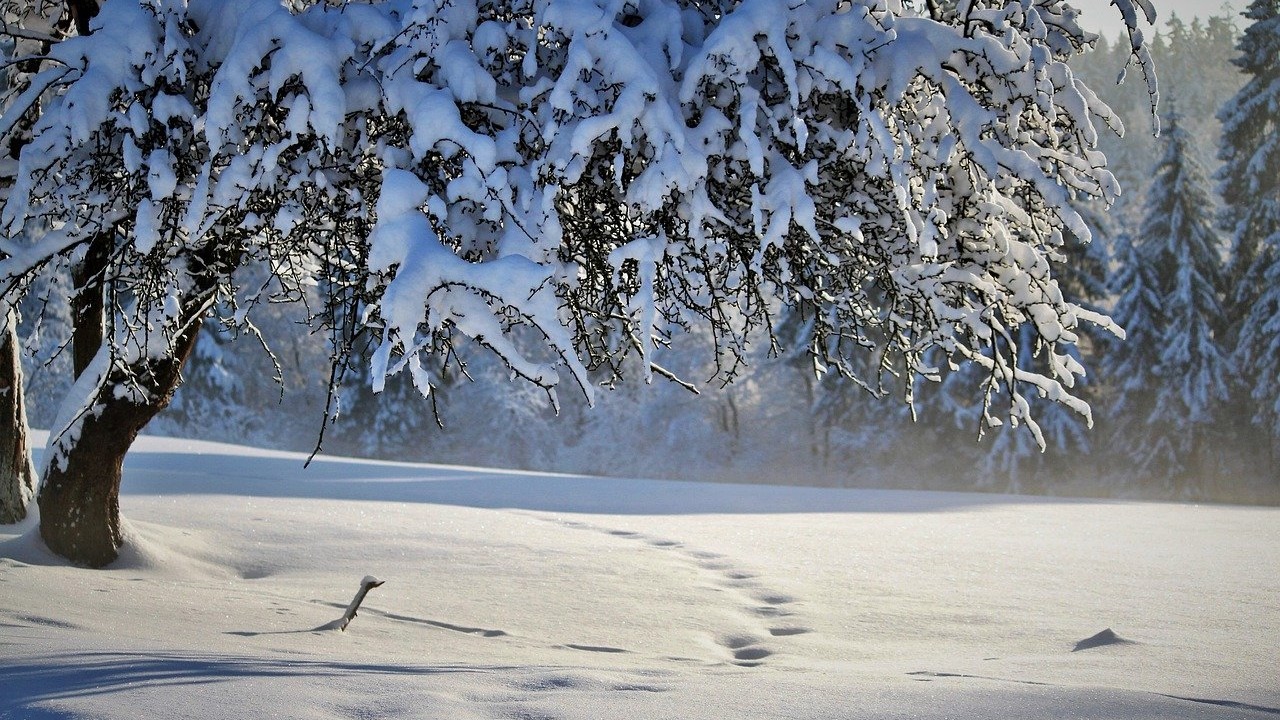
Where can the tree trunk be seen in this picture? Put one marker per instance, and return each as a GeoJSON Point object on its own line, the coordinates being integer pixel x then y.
{"type": "Point", "coordinates": [17, 475]}
{"type": "Point", "coordinates": [80, 496]}
{"type": "Point", "coordinates": [88, 306]}
{"type": "Point", "coordinates": [82, 11]}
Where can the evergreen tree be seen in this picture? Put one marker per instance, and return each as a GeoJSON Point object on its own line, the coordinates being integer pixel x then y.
{"type": "Point", "coordinates": [949, 413]}
{"type": "Point", "coordinates": [1129, 368]}
{"type": "Point", "coordinates": [1250, 187]}
{"type": "Point", "coordinates": [215, 392]}
{"type": "Point", "coordinates": [1178, 241]}
{"type": "Point", "coordinates": [45, 329]}
{"type": "Point", "coordinates": [1194, 57]}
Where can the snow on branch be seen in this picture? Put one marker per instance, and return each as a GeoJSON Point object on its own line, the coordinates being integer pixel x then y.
{"type": "Point", "coordinates": [566, 182]}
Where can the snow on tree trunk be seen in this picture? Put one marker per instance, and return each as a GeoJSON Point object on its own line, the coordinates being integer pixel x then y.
{"type": "Point", "coordinates": [80, 496]}
{"type": "Point", "coordinates": [17, 475]}
{"type": "Point", "coordinates": [88, 320]}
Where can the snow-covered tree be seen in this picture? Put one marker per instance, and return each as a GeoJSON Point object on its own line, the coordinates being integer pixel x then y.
{"type": "Point", "coordinates": [218, 393]}
{"type": "Point", "coordinates": [45, 329]}
{"type": "Point", "coordinates": [1021, 459]}
{"type": "Point", "coordinates": [17, 472]}
{"type": "Point", "coordinates": [1082, 267]}
{"type": "Point", "coordinates": [1250, 187]}
{"type": "Point", "coordinates": [1194, 57]}
{"type": "Point", "coordinates": [29, 28]}
{"type": "Point", "coordinates": [558, 181]}
{"type": "Point", "coordinates": [1130, 367]}
{"type": "Point", "coordinates": [1173, 284]}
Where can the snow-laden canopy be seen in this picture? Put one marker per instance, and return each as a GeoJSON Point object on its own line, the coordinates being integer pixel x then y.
{"type": "Point", "coordinates": [568, 182]}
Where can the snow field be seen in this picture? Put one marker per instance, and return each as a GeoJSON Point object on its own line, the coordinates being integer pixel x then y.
{"type": "Point", "coordinates": [514, 595]}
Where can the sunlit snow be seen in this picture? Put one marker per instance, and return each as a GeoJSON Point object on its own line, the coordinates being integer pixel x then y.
{"type": "Point", "coordinates": [514, 595]}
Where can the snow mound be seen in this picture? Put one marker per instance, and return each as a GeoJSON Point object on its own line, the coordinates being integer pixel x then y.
{"type": "Point", "coordinates": [26, 547]}
{"type": "Point", "coordinates": [1106, 637]}
{"type": "Point", "coordinates": [170, 552]}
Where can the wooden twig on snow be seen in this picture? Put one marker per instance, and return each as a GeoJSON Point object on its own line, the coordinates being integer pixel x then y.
{"type": "Point", "coordinates": [368, 583]}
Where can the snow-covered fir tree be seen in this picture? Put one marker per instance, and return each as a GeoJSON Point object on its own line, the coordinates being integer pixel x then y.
{"type": "Point", "coordinates": [46, 329]}
{"type": "Point", "coordinates": [1194, 57]}
{"type": "Point", "coordinates": [1250, 188]}
{"type": "Point", "coordinates": [1129, 369]}
{"type": "Point", "coordinates": [826, 398]}
{"type": "Point", "coordinates": [1021, 457]}
{"type": "Point", "coordinates": [1013, 458]}
{"type": "Point", "coordinates": [218, 386]}
{"type": "Point", "coordinates": [945, 411]}
{"type": "Point", "coordinates": [1179, 241]}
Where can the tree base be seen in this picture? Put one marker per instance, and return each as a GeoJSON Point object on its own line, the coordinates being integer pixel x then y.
{"type": "Point", "coordinates": [80, 514]}
{"type": "Point", "coordinates": [80, 497]}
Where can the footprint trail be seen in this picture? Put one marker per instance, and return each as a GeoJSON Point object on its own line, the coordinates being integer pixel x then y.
{"type": "Point", "coordinates": [764, 614]}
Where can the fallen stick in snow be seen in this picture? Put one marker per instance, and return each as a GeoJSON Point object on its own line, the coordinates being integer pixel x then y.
{"type": "Point", "coordinates": [368, 583]}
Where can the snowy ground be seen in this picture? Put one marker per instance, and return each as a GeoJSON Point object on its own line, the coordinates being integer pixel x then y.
{"type": "Point", "coordinates": [513, 595]}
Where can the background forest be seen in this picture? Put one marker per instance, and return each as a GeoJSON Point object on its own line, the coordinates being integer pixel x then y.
{"type": "Point", "coordinates": [1174, 408]}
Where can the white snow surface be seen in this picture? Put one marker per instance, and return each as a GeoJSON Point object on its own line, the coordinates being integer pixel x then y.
{"type": "Point", "coordinates": [520, 595]}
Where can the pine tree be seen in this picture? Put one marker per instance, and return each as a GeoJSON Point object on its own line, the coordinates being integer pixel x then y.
{"type": "Point", "coordinates": [1193, 57]}
{"type": "Point", "coordinates": [215, 396]}
{"type": "Point", "coordinates": [1250, 187]}
{"type": "Point", "coordinates": [1014, 455]}
{"type": "Point", "coordinates": [1180, 319]}
{"type": "Point", "coordinates": [1130, 367]}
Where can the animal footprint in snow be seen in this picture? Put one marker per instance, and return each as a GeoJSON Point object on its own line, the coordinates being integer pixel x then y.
{"type": "Point", "coordinates": [751, 654]}
{"type": "Point", "coordinates": [770, 611]}
{"type": "Point", "coordinates": [736, 642]}
{"type": "Point", "coordinates": [745, 649]}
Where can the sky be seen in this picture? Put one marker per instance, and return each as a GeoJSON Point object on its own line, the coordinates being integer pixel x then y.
{"type": "Point", "coordinates": [1098, 16]}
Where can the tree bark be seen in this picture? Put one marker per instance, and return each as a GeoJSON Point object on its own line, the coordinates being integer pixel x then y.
{"type": "Point", "coordinates": [17, 475]}
{"type": "Point", "coordinates": [80, 496]}
{"type": "Point", "coordinates": [88, 305]}
{"type": "Point", "coordinates": [82, 11]}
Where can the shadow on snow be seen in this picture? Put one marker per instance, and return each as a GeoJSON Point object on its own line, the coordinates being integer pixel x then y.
{"type": "Point", "coordinates": [151, 472]}
{"type": "Point", "coordinates": [68, 675]}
